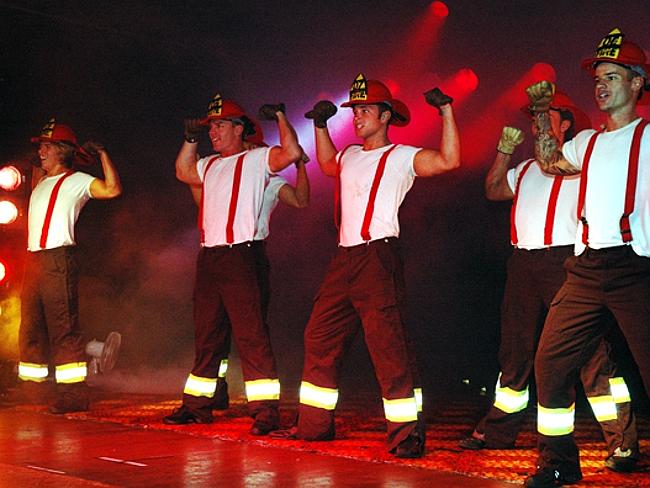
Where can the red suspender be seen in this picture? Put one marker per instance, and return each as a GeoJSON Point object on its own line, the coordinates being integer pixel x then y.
{"type": "Point", "coordinates": [513, 209]}
{"type": "Point", "coordinates": [337, 190]}
{"type": "Point", "coordinates": [200, 218]}
{"type": "Point", "coordinates": [50, 209]}
{"type": "Point", "coordinates": [632, 176]}
{"type": "Point", "coordinates": [630, 190]}
{"type": "Point", "coordinates": [236, 180]}
{"type": "Point", "coordinates": [370, 209]}
{"type": "Point", "coordinates": [550, 212]}
{"type": "Point", "coordinates": [583, 187]}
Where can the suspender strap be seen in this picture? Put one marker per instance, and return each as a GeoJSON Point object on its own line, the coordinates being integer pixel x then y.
{"type": "Point", "coordinates": [370, 208]}
{"type": "Point", "coordinates": [513, 209]}
{"type": "Point", "coordinates": [50, 209]}
{"type": "Point", "coordinates": [200, 217]}
{"type": "Point", "coordinates": [550, 212]}
{"type": "Point", "coordinates": [236, 181]}
{"type": "Point", "coordinates": [583, 187]}
{"type": "Point", "coordinates": [632, 176]}
{"type": "Point", "coordinates": [337, 190]}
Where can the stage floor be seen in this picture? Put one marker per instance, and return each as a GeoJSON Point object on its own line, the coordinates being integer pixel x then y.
{"type": "Point", "coordinates": [121, 441]}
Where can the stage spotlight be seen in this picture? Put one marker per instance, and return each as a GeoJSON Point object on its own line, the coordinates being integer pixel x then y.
{"type": "Point", "coordinates": [467, 80]}
{"type": "Point", "coordinates": [542, 71]}
{"type": "Point", "coordinates": [393, 86]}
{"type": "Point", "coordinates": [3, 272]}
{"type": "Point", "coordinates": [10, 178]}
{"type": "Point", "coordinates": [8, 212]}
{"type": "Point", "coordinates": [439, 9]}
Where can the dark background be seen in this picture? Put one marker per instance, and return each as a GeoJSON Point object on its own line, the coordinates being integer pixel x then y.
{"type": "Point", "coordinates": [126, 73]}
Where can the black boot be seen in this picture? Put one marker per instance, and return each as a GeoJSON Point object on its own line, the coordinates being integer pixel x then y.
{"type": "Point", "coordinates": [73, 397]}
{"type": "Point", "coordinates": [221, 400]}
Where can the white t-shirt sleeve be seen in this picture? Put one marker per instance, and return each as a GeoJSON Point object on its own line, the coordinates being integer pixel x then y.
{"type": "Point", "coordinates": [265, 159]}
{"type": "Point", "coordinates": [407, 157]}
{"type": "Point", "coordinates": [574, 150]}
{"type": "Point", "coordinates": [275, 183]}
{"type": "Point", "coordinates": [201, 165]}
{"type": "Point", "coordinates": [82, 185]}
{"type": "Point", "coordinates": [513, 175]}
{"type": "Point", "coordinates": [511, 178]}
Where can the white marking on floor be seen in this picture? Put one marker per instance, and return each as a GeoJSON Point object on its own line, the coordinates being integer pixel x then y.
{"type": "Point", "coordinates": [122, 461]}
{"type": "Point", "coordinates": [41, 468]}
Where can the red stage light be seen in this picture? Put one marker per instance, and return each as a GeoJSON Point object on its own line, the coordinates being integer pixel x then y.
{"type": "Point", "coordinates": [10, 178]}
{"type": "Point", "coordinates": [439, 9]}
{"type": "Point", "coordinates": [393, 86]}
{"type": "Point", "coordinates": [3, 272]}
{"type": "Point", "coordinates": [8, 212]}
{"type": "Point", "coordinates": [467, 79]}
{"type": "Point", "coordinates": [542, 71]}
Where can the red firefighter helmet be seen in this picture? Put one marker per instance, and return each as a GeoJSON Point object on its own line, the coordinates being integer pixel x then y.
{"type": "Point", "coordinates": [613, 49]}
{"type": "Point", "coordinates": [55, 132]}
{"type": "Point", "coordinates": [366, 92]}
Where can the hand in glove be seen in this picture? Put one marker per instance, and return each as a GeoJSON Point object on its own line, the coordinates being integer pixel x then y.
{"type": "Point", "coordinates": [322, 111]}
{"type": "Point", "coordinates": [93, 147]}
{"type": "Point", "coordinates": [540, 96]}
{"type": "Point", "coordinates": [268, 111]}
{"type": "Point", "coordinates": [511, 137]}
{"type": "Point", "coordinates": [436, 98]}
{"type": "Point", "coordinates": [193, 129]}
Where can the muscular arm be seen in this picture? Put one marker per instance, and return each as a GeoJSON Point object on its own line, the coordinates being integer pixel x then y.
{"type": "Point", "coordinates": [547, 148]}
{"type": "Point", "coordinates": [196, 193]}
{"type": "Point", "coordinates": [289, 150]}
{"type": "Point", "coordinates": [325, 151]}
{"type": "Point", "coordinates": [496, 181]}
{"type": "Point", "coordinates": [429, 162]}
{"type": "Point", "coordinates": [110, 186]}
{"type": "Point", "coordinates": [186, 164]}
{"type": "Point", "coordinates": [297, 196]}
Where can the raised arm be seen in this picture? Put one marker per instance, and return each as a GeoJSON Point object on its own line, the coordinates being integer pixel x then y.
{"type": "Point", "coordinates": [110, 186]}
{"type": "Point", "coordinates": [548, 150]}
{"type": "Point", "coordinates": [196, 193]}
{"type": "Point", "coordinates": [289, 150]}
{"type": "Point", "coordinates": [429, 162]}
{"type": "Point", "coordinates": [325, 148]}
{"type": "Point", "coordinates": [297, 196]}
{"type": "Point", "coordinates": [187, 156]}
{"type": "Point", "coordinates": [496, 181]}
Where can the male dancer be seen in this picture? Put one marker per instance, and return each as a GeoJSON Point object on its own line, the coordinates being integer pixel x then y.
{"type": "Point", "coordinates": [233, 185]}
{"type": "Point", "coordinates": [365, 279]}
{"type": "Point", "coordinates": [543, 226]}
{"type": "Point", "coordinates": [610, 272]}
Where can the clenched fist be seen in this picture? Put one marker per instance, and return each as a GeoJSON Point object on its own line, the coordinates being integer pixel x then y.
{"type": "Point", "coordinates": [192, 129]}
{"type": "Point", "coordinates": [540, 96]}
{"type": "Point", "coordinates": [511, 137]}
{"type": "Point", "coordinates": [436, 98]}
{"type": "Point", "coordinates": [322, 111]}
{"type": "Point", "coordinates": [268, 111]}
{"type": "Point", "coordinates": [93, 147]}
